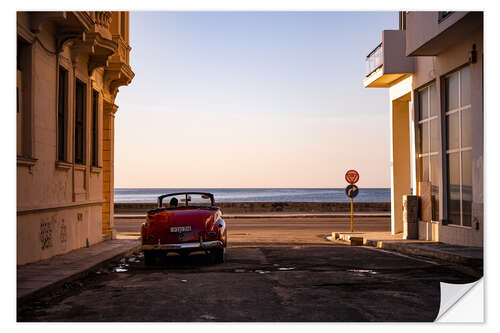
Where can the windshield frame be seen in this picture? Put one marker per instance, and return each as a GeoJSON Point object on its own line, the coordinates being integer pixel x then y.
{"type": "Point", "coordinates": [186, 194]}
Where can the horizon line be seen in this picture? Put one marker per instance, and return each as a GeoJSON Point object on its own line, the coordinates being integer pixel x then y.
{"type": "Point", "coordinates": [121, 188]}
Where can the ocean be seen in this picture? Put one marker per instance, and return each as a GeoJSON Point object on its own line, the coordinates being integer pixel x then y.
{"type": "Point", "coordinates": [259, 194]}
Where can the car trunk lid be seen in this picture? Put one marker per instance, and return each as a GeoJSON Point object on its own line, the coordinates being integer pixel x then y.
{"type": "Point", "coordinates": [180, 225]}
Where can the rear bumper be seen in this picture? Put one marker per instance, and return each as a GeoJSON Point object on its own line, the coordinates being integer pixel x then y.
{"type": "Point", "coordinates": [185, 246]}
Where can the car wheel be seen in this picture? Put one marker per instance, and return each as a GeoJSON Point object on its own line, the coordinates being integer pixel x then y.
{"type": "Point", "coordinates": [218, 255]}
{"type": "Point", "coordinates": [150, 257]}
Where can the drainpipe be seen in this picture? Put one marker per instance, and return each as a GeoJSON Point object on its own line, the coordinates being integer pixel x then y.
{"type": "Point", "coordinates": [402, 20]}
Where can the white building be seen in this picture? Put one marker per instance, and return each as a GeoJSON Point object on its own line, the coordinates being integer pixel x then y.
{"type": "Point", "coordinates": [433, 67]}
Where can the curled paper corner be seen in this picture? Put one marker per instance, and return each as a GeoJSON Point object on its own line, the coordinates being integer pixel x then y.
{"type": "Point", "coordinates": [461, 302]}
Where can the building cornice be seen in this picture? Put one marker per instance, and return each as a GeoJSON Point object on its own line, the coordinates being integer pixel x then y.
{"type": "Point", "coordinates": [39, 18]}
{"type": "Point", "coordinates": [25, 33]}
{"type": "Point", "coordinates": [110, 108]}
{"type": "Point", "coordinates": [117, 74]}
{"type": "Point", "coordinates": [41, 209]}
{"type": "Point", "coordinates": [103, 49]}
{"type": "Point", "coordinates": [84, 19]}
{"type": "Point", "coordinates": [97, 48]}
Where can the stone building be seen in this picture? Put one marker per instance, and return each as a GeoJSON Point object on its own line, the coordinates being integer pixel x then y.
{"type": "Point", "coordinates": [69, 68]}
{"type": "Point", "coordinates": [433, 67]}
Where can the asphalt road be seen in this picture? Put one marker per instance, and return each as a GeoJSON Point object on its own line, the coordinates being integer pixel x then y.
{"type": "Point", "coordinates": [269, 275]}
{"type": "Point", "coordinates": [255, 231]}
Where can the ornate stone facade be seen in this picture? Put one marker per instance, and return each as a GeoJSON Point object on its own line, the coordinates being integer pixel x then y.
{"type": "Point", "coordinates": [69, 68]}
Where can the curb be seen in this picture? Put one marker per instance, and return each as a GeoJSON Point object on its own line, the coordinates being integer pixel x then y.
{"type": "Point", "coordinates": [75, 276]}
{"type": "Point", "coordinates": [415, 250]}
{"type": "Point", "coordinates": [352, 238]}
{"type": "Point", "coordinates": [406, 248]}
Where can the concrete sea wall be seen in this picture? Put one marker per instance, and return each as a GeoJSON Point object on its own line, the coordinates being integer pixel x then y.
{"type": "Point", "coordinates": [266, 207]}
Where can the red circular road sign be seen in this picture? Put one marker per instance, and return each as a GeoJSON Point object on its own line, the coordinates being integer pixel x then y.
{"type": "Point", "coordinates": [352, 176]}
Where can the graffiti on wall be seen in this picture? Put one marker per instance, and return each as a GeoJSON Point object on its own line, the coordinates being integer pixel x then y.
{"type": "Point", "coordinates": [46, 232]}
{"type": "Point", "coordinates": [53, 231]}
{"type": "Point", "coordinates": [63, 233]}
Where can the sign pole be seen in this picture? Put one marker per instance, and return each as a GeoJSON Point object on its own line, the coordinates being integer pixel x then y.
{"type": "Point", "coordinates": [352, 177]}
{"type": "Point", "coordinates": [352, 222]}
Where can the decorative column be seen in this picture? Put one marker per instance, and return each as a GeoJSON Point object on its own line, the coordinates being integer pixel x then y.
{"type": "Point", "coordinates": [108, 169]}
{"type": "Point", "coordinates": [117, 72]}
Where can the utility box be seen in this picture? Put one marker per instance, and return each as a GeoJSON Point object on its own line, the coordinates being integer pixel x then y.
{"type": "Point", "coordinates": [410, 217]}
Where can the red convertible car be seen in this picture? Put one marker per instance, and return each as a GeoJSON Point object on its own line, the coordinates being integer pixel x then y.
{"type": "Point", "coordinates": [184, 222]}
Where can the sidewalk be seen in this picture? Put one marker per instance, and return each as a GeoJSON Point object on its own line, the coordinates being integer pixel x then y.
{"type": "Point", "coordinates": [36, 278]}
{"type": "Point", "coordinates": [457, 254]}
{"type": "Point", "coordinates": [276, 215]}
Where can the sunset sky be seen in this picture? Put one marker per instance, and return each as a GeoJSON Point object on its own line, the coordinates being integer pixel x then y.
{"type": "Point", "coordinates": [252, 99]}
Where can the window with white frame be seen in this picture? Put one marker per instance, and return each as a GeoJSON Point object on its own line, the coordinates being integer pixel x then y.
{"type": "Point", "coordinates": [428, 143]}
{"type": "Point", "coordinates": [459, 147]}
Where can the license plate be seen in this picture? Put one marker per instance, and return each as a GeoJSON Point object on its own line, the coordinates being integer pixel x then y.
{"type": "Point", "coordinates": [180, 229]}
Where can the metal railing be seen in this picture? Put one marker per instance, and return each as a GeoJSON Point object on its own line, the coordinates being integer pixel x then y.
{"type": "Point", "coordinates": [442, 16]}
{"type": "Point", "coordinates": [374, 60]}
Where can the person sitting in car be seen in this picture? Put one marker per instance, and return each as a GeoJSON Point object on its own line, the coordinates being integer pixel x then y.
{"type": "Point", "coordinates": [174, 202]}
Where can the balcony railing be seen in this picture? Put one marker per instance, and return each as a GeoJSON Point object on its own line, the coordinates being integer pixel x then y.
{"type": "Point", "coordinates": [442, 16]}
{"type": "Point", "coordinates": [103, 18]}
{"type": "Point", "coordinates": [374, 60]}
